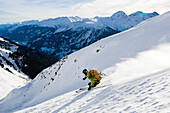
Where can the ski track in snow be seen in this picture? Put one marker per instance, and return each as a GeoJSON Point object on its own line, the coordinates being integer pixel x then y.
{"type": "Point", "coordinates": [146, 94]}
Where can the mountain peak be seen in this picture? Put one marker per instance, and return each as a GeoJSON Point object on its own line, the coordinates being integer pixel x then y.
{"type": "Point", "coordinates": [118, 14]}
{"type": "Point", "coordinates": [143, 14]}
{"type": "Point", "coordinates": [75, 19]}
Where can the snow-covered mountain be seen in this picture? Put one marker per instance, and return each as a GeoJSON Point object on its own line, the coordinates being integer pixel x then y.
{"type": "Point", "coordinates": [18, 64]}
{"type": "Point", "coordinates": [64, 35]}
{"type": "Point", "coordinates": [14, 57]}
{"type": "Point", "coordinates": [11, 75]}
{"type": "Point", "coordinates": [136, 63]}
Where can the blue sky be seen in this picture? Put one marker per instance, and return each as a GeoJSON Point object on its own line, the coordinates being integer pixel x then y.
{"type": "Point", "coordinates": [20, 10]}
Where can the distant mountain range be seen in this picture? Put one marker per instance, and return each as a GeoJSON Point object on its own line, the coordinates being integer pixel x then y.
{"type": "Point", "coordinates": [14, 57]}
{"type": "Point", "coordinates": [61, 36]}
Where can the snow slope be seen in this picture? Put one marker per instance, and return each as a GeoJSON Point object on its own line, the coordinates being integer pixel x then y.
{"type": "Point", "coordinates": [144, 95]}
{"type": "Point", "coordinates": [9, 81]}
{"type": "Point", "coordinates": [136, 62]}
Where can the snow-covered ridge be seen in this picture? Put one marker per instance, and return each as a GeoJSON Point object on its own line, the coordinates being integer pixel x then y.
{"type": "Point", "coordinates": [116, 21]}
{"type": "Point", "coordinates": [14, 57]}
{"type": "Point", "coordinates": [11, 75]}
{"type": "Point", "coordinates": [6, 49]}
{"type": "Point", "coordinates": [117, 56]}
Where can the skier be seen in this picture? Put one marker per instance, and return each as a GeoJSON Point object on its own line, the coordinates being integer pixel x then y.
{"type": "Point", "coordinates": [93, 76]}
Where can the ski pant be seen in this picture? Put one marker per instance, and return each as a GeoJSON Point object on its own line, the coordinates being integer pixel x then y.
{"type": "Point", "coordinates": [93, 83]}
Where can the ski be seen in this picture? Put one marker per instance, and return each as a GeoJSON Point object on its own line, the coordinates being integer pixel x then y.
{"type": "Point", "coordinates": [86, 88]}
{"type": "Point", "coordinates": [81, 89]}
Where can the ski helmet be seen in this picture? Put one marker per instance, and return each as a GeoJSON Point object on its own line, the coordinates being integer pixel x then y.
{"type": "Point", "coordinates": [85, 71]}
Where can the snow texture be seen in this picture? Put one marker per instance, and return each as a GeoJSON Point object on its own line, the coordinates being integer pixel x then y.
{"type": "Point", "coordinates": [144, 95]}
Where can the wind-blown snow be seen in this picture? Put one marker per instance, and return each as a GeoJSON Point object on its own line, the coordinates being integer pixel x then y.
{"type": "Point", "coordinates": [145, 63]}
{"type": "Point", "coordinates": [135, 62]}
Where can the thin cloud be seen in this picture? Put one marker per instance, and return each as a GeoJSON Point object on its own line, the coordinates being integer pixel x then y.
{"type": "Point", "coordinates": [43, 9]}
{"type": "Point", "coordinates": [3, 13]}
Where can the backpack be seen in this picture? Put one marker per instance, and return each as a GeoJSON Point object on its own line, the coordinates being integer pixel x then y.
{"type": "Point", "coordinates": [95, 74]}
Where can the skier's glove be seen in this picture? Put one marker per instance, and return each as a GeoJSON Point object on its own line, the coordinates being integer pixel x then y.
{"type": "Point", "coordinates": [84, 78]}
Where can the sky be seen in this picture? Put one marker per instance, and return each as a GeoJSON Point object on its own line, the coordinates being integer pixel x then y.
{"type": "Point", "coordinates": [21, 10]}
